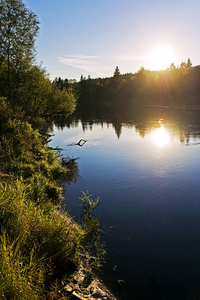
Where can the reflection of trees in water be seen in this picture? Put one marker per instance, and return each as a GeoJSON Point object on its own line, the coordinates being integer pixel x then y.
{"type": "Point", "coordinates": [184, 132]}
{"type": "Point", "coordinates": [180, 123]}
{"type": "Point", "coordinates": [73, 171]}
{"type": "Point", "coordinates": [70, 122]}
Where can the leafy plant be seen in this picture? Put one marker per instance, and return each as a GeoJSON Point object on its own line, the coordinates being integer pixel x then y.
{"type": "Point", "coordinates": [91, 239]}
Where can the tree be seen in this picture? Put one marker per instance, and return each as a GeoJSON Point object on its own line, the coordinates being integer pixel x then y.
{"type": "Point", "coordinates": [24, 84]}
{"type": "Point", "coordinates": [117, 72]}
{"type": "Point", "coordinates": [172, 67]}
{"type": "Point", "coordinates": [18, 30]}
{"type": "Point", "coordinates": [36, 89]}
{"type": "Point", "coordinates": [61, 102]}
{"type": "Point", "coordinates": [183, 65]}
{"type": "Point", "coordinates": [189, 63]}
{"type": "Point", "coordinates": [39, 96]}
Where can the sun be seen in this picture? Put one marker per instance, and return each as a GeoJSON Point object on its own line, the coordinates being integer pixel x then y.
{"type": "Point", "coordinates": [161, 57]}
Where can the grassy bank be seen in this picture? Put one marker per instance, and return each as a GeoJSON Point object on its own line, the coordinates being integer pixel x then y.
{"type": "Point", "coordinates": [38, 246]}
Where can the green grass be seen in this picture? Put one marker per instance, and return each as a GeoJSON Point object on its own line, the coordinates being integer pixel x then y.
{"type": "Point", "coordinates": [34, 239]}
{"type": "Point", "coordinates": [38, 244]}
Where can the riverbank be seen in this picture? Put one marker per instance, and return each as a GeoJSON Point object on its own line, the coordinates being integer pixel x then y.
{"type": "Point", "coordinates": [83, 284]}
{"type": "Point", "coordinates": [39, 250]}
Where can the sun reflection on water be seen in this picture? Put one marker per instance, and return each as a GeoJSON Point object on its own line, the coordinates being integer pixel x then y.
{"type": "Point", "coordinates": [160, 137]}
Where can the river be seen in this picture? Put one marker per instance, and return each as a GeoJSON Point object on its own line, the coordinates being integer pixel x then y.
{"type": "Point", "coordinates": [145, 167]}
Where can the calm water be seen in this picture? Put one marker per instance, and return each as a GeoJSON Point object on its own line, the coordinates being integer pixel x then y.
{"type": "Point", "coordinates": [145, 167]}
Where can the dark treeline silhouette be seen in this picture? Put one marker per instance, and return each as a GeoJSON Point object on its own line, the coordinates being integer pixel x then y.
{"type": "Point", "coordinates": [174, 86]}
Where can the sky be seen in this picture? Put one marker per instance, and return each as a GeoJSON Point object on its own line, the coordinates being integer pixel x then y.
{"type": "Point", "coordinates": [92, 37]}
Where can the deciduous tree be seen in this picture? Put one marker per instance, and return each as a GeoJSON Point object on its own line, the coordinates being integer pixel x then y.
{"type": "Point", "coordinates": [18, 30]}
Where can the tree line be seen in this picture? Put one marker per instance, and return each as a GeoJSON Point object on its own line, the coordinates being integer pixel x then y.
{"type": "Point", "coordinates": [173, 86]}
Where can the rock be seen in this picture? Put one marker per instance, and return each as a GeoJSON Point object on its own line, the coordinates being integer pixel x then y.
{"type": "Point", "coordinates": [78, 296]}
{"type": "Point", "coordinates": [68, 288]}
{"type": "Point", "coordinates": [84, 285]}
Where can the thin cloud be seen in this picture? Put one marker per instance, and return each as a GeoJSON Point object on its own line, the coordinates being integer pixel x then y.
{"type": "Point", "coordinates": [128, 57]}
{"type": "Point", "coordinates": [87, 63]}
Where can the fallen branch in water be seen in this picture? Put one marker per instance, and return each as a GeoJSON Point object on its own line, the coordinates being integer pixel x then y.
{"type": "Point", "coordinates": [81, 142]}
{"type": "Point", "coordinates": [57, 148]}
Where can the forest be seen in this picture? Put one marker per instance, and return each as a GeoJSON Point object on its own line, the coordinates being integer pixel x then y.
{"type": "Point", "coordinates": [173, 86]}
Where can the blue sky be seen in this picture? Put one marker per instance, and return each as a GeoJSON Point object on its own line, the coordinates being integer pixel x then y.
{"type": "Point", "coordinates": [92, 37]}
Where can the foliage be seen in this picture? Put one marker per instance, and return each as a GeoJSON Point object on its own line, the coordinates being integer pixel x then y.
{"type": "Point", "coordinates": [35, 95]}
{"type": "Point", "coordinates": [16, 277]}
{"type": "Point", "coordinates": [117, 72]}
{"type": "Point", "coordinates": [94, 247]}
{"type": "Point", "coordinates": [34, 239]}
{"type": "Point", "coordinates": [173, 86]}
{"type": "Point", "coordinates": [62, 102]}
{"type": "Point", "coordinates": [38, 244]}
{"type": "Point", "coordinates": [39, 97]}
{"type": "Point", "coordinates": [24, 84]}
{"type": "Point", "coordinates": [18, 30]}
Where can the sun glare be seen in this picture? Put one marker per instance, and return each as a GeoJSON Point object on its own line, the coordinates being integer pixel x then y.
{"type": "Point", "coordinates": [162, 57]}
{"type": "Point", "coordinates": [160, 137]}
